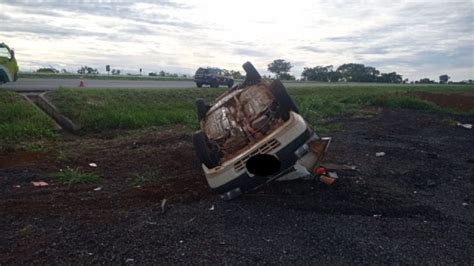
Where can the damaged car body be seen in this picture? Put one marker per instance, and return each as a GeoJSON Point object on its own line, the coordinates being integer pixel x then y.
{"type": "Point", "coordinates": [253, 134]}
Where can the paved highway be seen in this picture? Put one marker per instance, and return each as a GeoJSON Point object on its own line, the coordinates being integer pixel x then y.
{"type": "Point", "coordinates": [43, 84]}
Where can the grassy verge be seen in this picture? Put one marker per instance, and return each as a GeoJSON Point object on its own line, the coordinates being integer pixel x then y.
{"type": "Point", "coordinates": [97, 110]}
{"type": "Point", "coordinates": [19, 120]}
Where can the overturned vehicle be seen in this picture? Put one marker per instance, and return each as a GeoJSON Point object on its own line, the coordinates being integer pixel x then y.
{"type": "Point", "coordinates": [252, 135]}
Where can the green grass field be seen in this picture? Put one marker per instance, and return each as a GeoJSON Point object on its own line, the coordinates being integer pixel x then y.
{"type": "Point", "coordinates": [19, 120]}
{"type": "Point", "coordinates": [98, 110]}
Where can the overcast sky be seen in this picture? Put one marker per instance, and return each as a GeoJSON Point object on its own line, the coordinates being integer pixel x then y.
{"type": "Point", "coordinates": [414, 38]}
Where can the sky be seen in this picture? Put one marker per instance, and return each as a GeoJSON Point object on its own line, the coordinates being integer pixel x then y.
{"type": "Point", "coordinates": [417, 39]}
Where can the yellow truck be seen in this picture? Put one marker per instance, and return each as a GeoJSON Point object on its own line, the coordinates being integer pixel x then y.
{"type": "Point", "coordinates": [8, 65]}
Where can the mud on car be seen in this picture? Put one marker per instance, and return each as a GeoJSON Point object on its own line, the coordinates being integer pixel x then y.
{"type": "Point", "coordinates": [213, 77]}
{"type": "Point", "coordinates": [253, 134]}
{"type": "Point", "coordinates": [8, 64]}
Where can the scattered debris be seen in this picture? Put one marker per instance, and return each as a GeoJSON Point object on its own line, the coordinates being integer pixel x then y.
{"type": "Point", "coordinates": [320, 171]}
{"type": "Point", "coordinates": [333, 175]}
{"type": "Point", "coordinates": [212, 208]}
{"type": "Point", "coordinates": [98, 189]}
{"type": "Point", "coordinates": [190, 220]}
{"type": "Point", "coordinates": [163, 205]}
{"type": "Point", "coordinates": [39, 184]}
{"type": "Point", "coordinates": [94, 165]}
{"type": "Point", "coordinates": [380, 154]}
{"type": "Point", "coordinates": [327, 179]}
{"type": "Point", "coordinates": [466, 126]}
{"type": "Point", "coordinates": [129, 260]}
{"type": "Point", "coordinates": [377, 215]}
{"type": "Point", "coordinates": [17, 186]}
{"type": "Point", "coordinates": [465, 204]}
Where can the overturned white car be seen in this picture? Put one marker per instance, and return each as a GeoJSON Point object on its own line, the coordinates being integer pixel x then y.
{"type": "Point", "coordinates": [252, 135]}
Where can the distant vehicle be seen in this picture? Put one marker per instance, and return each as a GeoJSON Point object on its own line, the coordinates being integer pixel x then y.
{"type": "Point", "coordinates": [213, 77]}
{"type": "Point", "coordinates": [253, 134]}
{"type": "Point", "coordinates": [8, 65]}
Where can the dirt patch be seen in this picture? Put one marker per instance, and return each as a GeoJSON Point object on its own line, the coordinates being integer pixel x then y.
{"type": "Point", "coordinates": [457, 101]}
{"type": "Point", "coordinates": [411, 206]}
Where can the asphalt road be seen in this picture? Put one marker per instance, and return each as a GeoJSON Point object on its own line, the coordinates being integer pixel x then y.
{"type": "Point", "coordinates": [43, 84]}
{"type": "Point", "coordinates": [52, 84]}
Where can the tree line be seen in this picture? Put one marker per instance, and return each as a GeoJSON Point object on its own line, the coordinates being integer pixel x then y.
{"type": "Point", "coordinates": [350, 72]}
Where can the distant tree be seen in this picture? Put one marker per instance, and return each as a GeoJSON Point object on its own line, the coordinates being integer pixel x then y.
{"type": "Point", "coordinates": [140, 71]}
{"type": "Point", "coordinates": [286, 76]}
{"type": "Point", "coordinates": [443, 79]}
{"type": "Point", "coordinates": [358, 72]}
{"type": "Point", "coordinates": [279, 67]}
{"type": "Point", "coordinates": [85, 70]}
{"type": "Point", "coordinates": [116, 72]}
{"type": "Point", "coordinates": [107, 68]}
{"type": "Point", "coordinates": [162, 73]}
{"type": "Point", "coordinates": [152, 74]}
{"type": "Point", "coordinates": [50, 70]}
{"type": "Point", "coordinates": [391, 77]}
{"type": "Point", "coordinates": [236, 74]}
{"type": "Point", "coordinates": [321, 73]}
{"type": "Point", "coordinates": [426, 81]}
{"type": "Point", "coordinates": [64, 71]}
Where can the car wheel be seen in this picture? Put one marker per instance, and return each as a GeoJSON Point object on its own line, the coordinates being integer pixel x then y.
{"type": "Point", "coordinates": [215, 84]}
{"type": "Point", "coordinates": [252, 74]}
{"type": "Point", "coordinates": [282, 97]}
{"type": "Point", "coordinates": [199, 85]}
{"type": "Point", "coordinates": [203, 153]}
{"type": "Point", "coordinates": [201, 108]}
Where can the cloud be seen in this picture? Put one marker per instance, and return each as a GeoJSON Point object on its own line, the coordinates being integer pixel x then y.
{"type": "Point", "coordinates": [412, 38]}
{"type": "Point", "coordinates": [249, 52]}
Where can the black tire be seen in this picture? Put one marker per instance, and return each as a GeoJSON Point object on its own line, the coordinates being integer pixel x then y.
{"type": "Point", "coordinates": [201, 109]}
{"type": "Point", "coordinates": [215, 84]}
{"type": "Point", "coordinates": [282, 97]}
{"type": "Point", "coordinates": [252, 74]}
{"type": "Point", "coordinates": [199, 85]}
{"type": "Point", "coordinates": [202, 151]}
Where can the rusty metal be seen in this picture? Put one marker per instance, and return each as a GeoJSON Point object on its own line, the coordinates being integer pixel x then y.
{"type": "Point", "coordinates": [240, 118]}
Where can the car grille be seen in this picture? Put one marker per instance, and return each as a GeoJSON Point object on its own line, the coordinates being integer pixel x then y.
{"type": "Point", "coordinates": [265, 148]}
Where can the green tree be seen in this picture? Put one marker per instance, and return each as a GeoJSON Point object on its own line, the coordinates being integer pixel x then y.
{"type": "Point", "coordinates": [287, 76]}
{"type": "Point", "coordinates": [443, 79]}
{"type": "Point", "coordinates": [321, 73]}
{"type": "Point", "coordinates": [426, 80]}
{"type": "Point", "coordinates": [391, 77]}
{"type": "Point", "coordinates": [358, 72]}
{"type": "Point", "coordinates": [85, 70]}
{"type": "Point", "coordinates": [236, 74]}
{"type": "Point", "coordinates": [50, 70]}
{"type": "Point", "coordinates": [279, 67]}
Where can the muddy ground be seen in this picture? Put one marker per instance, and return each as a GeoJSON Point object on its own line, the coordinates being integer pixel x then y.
{"type": "Point", "coordinates": [413, 205]}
